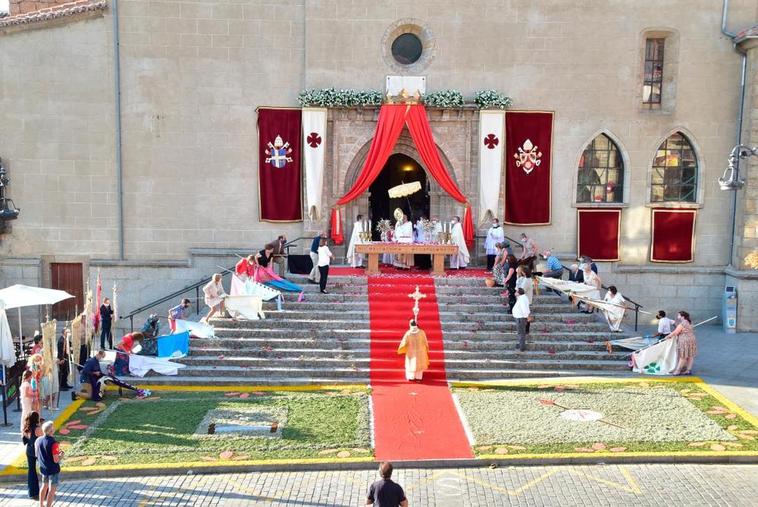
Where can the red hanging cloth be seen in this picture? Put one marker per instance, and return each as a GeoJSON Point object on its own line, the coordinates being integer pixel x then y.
{"type": "Point", "coordinates": [392, 118]}
{"type": "Point", "coordinates": [421, 133]}
{"type": "Point", "coordinates": [388, 128]}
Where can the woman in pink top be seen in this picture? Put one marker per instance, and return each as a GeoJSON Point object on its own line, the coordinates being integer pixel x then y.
{"type": "Point", "coordinates": [686, 344]}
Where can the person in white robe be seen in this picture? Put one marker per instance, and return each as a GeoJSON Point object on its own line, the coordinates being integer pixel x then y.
{"type": "Point", "coordinates": [214, 297]}
{"type": "Point", "coordinates": [495, 235]}
{"type": "Point", "coordinates": [354, 258]}
{"type": "Point", "coordinates": [462, 258]}
{"type": "Point", "coordinates": [416, 349]}
{"type": "Point", "coordinates": [404, 234]}
{"type": "Point", "coordinates": [614, 314]}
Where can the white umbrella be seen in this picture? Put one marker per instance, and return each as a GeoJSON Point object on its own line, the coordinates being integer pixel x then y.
{"type": "Point", "coordinates": [404, 190]}
{"type": "Point", "coordinates": [19, 295]}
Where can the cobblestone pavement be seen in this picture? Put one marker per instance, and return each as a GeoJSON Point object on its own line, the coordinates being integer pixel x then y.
{"type": "Point", "coordinates": [633, 485]}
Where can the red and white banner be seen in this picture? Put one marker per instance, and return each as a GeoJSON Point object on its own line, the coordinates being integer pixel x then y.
{"type": "Point", "coordinates": [279, 175]}
{"type": "Point", "coordinates": [672, 237]}
{"type": "Point", "coordinates": [314, 149]}
{"type": "Point", "coordinates": [491, 144]}
{"type": "Point", "coordinates": [598, 233]}
{"type": "Point", "coordinates": [528, 155]}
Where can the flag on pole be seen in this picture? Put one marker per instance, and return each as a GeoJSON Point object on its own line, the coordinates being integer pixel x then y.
{"type": "Point", "coordinates": [98, 302]}
{"type": "Point", "coordinates": [314, 143]}
{"type": "Point", "coordinates": [115, 302]}
{"type": "Point", "coordinates": [491, 145]}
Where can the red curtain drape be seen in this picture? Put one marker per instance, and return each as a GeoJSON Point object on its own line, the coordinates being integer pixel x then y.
{"type": "Point", "coordinates": [388, 128]}
{"type": "Point", "coordinates": [598, 233]}
{"type": "Point", "coordinates": [392, 118]}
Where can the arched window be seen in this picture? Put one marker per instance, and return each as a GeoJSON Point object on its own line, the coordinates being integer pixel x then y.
{"type": "Point", "coordinates": [674, 175]}
{"type": "Point", "coordinates": [601, 172]}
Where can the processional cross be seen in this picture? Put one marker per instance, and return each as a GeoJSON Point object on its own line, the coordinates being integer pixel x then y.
{"type": "Point", "coordinates": [416, 296]}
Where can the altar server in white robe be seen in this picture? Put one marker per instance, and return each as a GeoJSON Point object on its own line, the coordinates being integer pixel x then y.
{"type": "Point", "coordinates": [416, 349]}
{"type": "Point", "coordinates": [404, 234]}
{"type": "Point", "coordinates": [354, 258]}
{"type": "Point", "coordinates": [435, 233]}
{"type": "Point", "coordinates": [614, 314]}
{"type": "Point", "coordinates": [461, 259]}
{"type": "Point", "coordinates": [495, 235]}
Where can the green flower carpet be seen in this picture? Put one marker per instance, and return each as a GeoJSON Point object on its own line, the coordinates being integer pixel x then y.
{"type": "Point", "coordinates": [618, 417]}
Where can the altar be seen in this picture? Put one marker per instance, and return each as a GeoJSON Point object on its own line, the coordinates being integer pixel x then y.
{"type": "Point", "coordinates": [438, 252]}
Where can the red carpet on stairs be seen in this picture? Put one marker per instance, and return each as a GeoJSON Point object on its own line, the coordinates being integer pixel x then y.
{"type": "Point", "coordinates": [412, 420]}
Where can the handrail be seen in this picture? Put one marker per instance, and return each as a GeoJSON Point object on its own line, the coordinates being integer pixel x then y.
{"type": "Point", "coordinates": [173, 295]}
{"type": "Point", "coordinates": [637, 306]}
{"type": "Point", "coordinates": [196, 286]}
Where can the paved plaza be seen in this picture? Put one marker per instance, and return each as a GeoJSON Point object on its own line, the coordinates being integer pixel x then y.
{"type": "Point", "coordinates": [637, 485]}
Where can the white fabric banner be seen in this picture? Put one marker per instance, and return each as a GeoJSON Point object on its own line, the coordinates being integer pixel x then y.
{"type": "Point", "coordinates": [491, 145]}
{"type": "Point", "coordinates": [196, 329]}
{"type": "Point", "coordinates": [245, 307]}
{"type": "Point", "coordinates": [658, 359]}
{"type": "Point", "coordinates": [314, 148]}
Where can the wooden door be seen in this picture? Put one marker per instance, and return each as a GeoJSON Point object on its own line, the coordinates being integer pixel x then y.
{"type": "Point", "coordinates": [67, 276]}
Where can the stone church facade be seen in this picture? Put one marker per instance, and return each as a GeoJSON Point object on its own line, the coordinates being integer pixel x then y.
{"type": "Point", "coordinates": [158, 192]}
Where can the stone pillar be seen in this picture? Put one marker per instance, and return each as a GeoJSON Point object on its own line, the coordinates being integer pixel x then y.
{"type": "Point", "coordinates": [746, 229]}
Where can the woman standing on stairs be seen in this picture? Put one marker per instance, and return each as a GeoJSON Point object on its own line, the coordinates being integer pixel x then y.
{"type": "Point", "coordinates": [324, 258]}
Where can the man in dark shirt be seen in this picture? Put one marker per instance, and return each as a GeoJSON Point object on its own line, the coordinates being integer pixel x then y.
{"type": "Point", "coordinates": [63, 365]}
{"type": "Point", "coordinates": [91, 374]}
{"type": "Point", "coordinates": [106, 317]}
{"type": "Point", "coordinates": [314, 275]}
{"type": "Point", "coordinates": [384, 492]}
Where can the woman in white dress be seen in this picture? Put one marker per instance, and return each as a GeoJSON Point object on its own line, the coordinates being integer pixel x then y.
{"type": "Point", "coordinates": [614, 314]}
{"type": "Point", "coordinates": [591, 279]}
{"type": "Point", "coordinates": [214, 297]}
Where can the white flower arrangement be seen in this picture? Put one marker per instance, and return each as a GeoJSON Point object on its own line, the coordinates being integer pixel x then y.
{"type": "Point", "coordinates": [444, 99]}
{"type": "Point", "coordinates": [329, 97]}
{"type": "Point", "coordinates": [492, 99]}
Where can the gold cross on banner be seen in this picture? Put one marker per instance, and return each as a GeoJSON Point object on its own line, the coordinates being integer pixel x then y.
{"type": "Point", "coordinates": [416, 296]}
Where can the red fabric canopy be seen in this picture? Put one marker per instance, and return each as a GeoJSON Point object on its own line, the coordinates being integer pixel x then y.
{"type": "Point", "coordinates": [392, 118]}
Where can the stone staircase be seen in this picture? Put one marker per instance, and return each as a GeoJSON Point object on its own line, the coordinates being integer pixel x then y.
{"type": "Point", "coordinates": [325, 340]}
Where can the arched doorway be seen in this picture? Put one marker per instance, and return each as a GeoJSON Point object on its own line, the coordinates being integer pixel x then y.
{"type": "Point", "coordinates": [399, 169]}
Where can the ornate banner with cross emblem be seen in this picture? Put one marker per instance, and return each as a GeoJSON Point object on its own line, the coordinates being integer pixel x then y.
{"type": "Point", "coordinates": [528, 159]}
{"type": "Point", "coordinates": [279, 173]}
{"type": "Point", "coordinates": [314, 148]}
{"type": "Point", "coordinates": [491, 144]}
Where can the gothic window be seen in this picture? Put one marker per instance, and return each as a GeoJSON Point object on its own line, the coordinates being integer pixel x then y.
{"type": "Point", "coordinates": [674, 175]}
{"type": "Point", "coordinates": [653, 78]}
{"type": "Point", "coordinates": [601, 173]}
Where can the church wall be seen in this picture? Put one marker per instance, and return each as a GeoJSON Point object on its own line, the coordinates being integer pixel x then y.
{"type": "Point", "coordinates": [194, 72]}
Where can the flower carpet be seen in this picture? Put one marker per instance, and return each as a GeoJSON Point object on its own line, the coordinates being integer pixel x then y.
{"type": "Point", "coordinates": [648, 417]}
{"type": "Point", "coordinates": [216, 427]}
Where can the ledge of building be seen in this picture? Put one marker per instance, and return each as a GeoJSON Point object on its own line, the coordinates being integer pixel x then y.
{"type": "Point", "coordinates": [670, 269]}
{"type": "Point", "coordinates": [741, 274]}
{"type": "Point", "coordinates": [170, 263]}
{"type": "Point", "coordinates": [21, 261]}
{"type": "Point", "coordinates": [74, 11]}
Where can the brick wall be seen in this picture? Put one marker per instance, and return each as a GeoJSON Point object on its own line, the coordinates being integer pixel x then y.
{"type": "Point", "coordinates": [27, 6]}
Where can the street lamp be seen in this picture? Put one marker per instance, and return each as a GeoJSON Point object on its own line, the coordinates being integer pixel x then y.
{"type": "Point", "coordinates": [731, 180]}
{"type": "Point", "coordinates": [8, 210]}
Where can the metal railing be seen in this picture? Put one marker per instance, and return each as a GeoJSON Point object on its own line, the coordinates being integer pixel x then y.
{"type": "Point", "coordinates": [637, 306]}
{"type": "Point", "coordinates": [195, 286]}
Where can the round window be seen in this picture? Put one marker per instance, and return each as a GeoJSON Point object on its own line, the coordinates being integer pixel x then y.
{"type": "Point", "coordinates": [407, 49]}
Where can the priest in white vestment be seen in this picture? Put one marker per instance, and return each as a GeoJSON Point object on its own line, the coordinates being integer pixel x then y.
{"type": "Point", "coordinates": [354, 258]}
{"type": "Point", "coordinates": [436, 231]}
{"type": "Point", "coordinates": [404, 234]}
{"type": "Point", "coordinates": [495, 235]}
{"type": "Point", "coordinates": [462, 258]}
{"type": "Point", "coordinates": [416, 350]}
